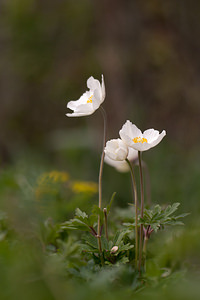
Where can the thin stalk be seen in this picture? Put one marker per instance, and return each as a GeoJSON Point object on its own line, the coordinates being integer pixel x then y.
{"type": "Point", "coordinates": [147, 181]}
{"type": "Point", "coordinates": [142, 209]}
{"type": "Point", "coordinates": [134, 187]}
{"type": "Point", "coordinates": [145, 250]}
{"type": "Point", "coordinates": [145, 246]}
{"type": "Point", "coordinates": [100, 176]}
{"type": "Point", "coordinates": [106, 222]}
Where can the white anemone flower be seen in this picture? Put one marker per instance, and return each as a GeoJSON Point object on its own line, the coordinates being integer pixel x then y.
{"type": "Point", "coordinates": [137, 140]}
{"type": "Point", "coordinates": [116, 149]}
{"type": "Point", "coordinates": [122, 166]}
{"type": "Point", "coordinates": [90, 100]}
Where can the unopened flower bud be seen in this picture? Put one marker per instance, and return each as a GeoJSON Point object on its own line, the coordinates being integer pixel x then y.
{"type": "Point", "coordinates": [114, 249]}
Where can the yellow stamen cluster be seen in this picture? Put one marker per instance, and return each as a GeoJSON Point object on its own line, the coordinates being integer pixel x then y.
{"type": "Point", "coordinates": [90, 99]}
{"type": "Point", "coordinates": [139, 140]}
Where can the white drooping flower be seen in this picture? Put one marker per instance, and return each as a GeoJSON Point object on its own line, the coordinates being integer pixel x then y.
{"type": "Point", "coordinates": [90, 100]}
{"type": "Point", "coordinates": [116, 149]}
{"type": "Point", "coordinates": [137, 140]}
{"type": "Point", "coordinates": [122, 166]}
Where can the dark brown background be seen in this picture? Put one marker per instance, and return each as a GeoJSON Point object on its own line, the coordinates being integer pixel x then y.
{"type": "Point", "coordinates": [148, 52]}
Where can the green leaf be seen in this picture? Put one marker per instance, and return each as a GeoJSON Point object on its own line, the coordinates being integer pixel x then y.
{"type": "Point", "coordinates": [129, 225]}
{"type": "Point", "coordinates": [91, 241]}
{"type": "Point", "coordinates": [111, 201]}
{"type": "Point", "coordinates": [98, 212]}
{"type": "Point", "coordinates": [87, 248]}
{"type": "Point", "coordinates": [119, 236]}
{"type": "Point", "coordinates": [123, 260]}
{"type": "Point", "coordinates": [157, 209]}
{"type": "Point", "coordinates": [157, 217]}
{"type": "Point", "coordinates": [91, 220]}
{"type": "Point", "coordinates": [75, 224]}
{"type": "Point", "coordinates": [171, 209]}
{"type": "Point", "coordinates": [104, 243]}
{"type": "Point", "coordinates": [182, 216]}
{"type": "Point", "coordinates": [110, 245]}
{"type": "Point", "coordinates": [125, 247]}
{"type": "Point", "coordinates": [80, 213]}
{"type": "Point", "coordinates": [80, 222]}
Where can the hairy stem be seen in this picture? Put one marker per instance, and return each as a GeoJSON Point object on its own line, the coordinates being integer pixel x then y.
{"type": "Point", "coordinates": [142, 210]}
{"type": "Point", "coordinates": [106, 222]}
{"type": "Point", "coordinates": [147, 183]}
{"type": "Point", "coordinates": [134, 187]}
{"type": "Point", "coordinates": [145, 246]}
{"type": "Point", "coordinates": [145, 250]}
{"type": "Point", "coordinates": [100, 176]}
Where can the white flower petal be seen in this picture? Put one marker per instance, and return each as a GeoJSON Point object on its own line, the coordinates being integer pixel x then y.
{"type": "Point", "coordinates": [82, 100]}
{"type": "Point", "coordinates": [72, 105]}
{"type": "Point", "coordinates": [82, 110]}
{"type": "Point", "coordinates": [120, 166]}
{"type": "Point", "coordinates": [96, 100]}
{"type": "Point", "coordinates": [89, 101]}
{"type": "Point", "coordinates": [125, 138]}
{"type": "Point", "coordinates": [103, 88]}
{"type": "Point", "coordinates": [150, 144]}
{"type": "Point", "coordinates": [112, 144]}
{"type": "Point", "coordinates": [116, 149]}
{"type": "Point", "coordinates": [151, 135]}
{"type": "Point", "coordinates": [93, 84]}
{"type": "Point", "coordinates": [111, 154]}
{"type": "Point", "coordinates": [131, 130]}
{"type": "Point", "coordinates": [85, 108]}
{"type": "Point", "coordinates": [78, 114]}
{"type": "Point", "coordinates": [159, 139]}
{"type": "Point", "coordinates": [121, 153]}
{"type": "Point", "coordinates": [128, 132]}
{"type": "Point", "coordinates": [145, 141]}
{"type": "Point", "coordinates": [141, 146]}
{"type": "Point", "coordinates": [132, 154]}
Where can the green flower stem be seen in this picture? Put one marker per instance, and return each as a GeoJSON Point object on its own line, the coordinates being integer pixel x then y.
{"type": "Point", "coordinates": [142, 209]}
{"type": "Point", "coordinates": [99, 243]}
{"type": "Point", "coordinates": [145, 246]}
{"type": "Point", "coordinates": [145, 250]}
{"type": "Point", "coordinates": [147, 181]}
{"type": "Point", "coordinates": [106, 222]}
{"type": "Point", "coordinates": [134, 187]}
{"type": "Point", "coordinates": [100, 176]}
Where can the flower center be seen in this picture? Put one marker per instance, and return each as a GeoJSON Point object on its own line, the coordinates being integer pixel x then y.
{"type": "Point", "coordinates": [90, 99]}
{"type": "Point", "coordinates": [139, 140]}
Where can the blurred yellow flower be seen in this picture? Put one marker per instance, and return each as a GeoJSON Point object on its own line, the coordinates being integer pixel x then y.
{"type": "Point", "coordinates": [42, 191]}
{"type": "Point", "coordinates": [84, 187]}
{"type": "Point", "coordinates": [53, 177]}
{"type": "Point", "coordinates": [48, 181]}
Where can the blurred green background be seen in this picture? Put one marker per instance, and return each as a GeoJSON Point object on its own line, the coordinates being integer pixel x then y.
{"type": "Point", "coordinates": [148, 52]}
